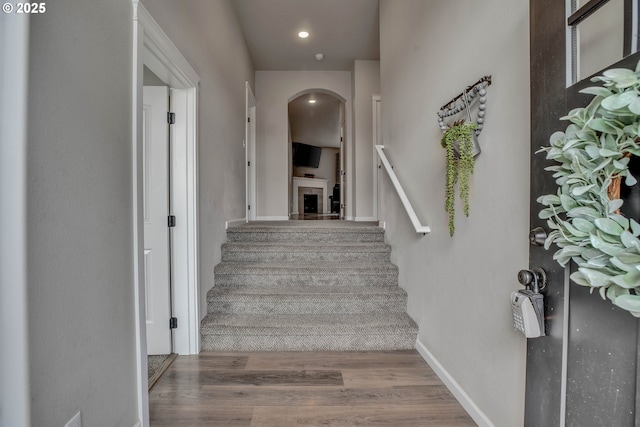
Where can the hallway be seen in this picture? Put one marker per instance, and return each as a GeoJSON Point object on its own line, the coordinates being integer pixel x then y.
{"type": "Point", "coordinates": [394, 388]}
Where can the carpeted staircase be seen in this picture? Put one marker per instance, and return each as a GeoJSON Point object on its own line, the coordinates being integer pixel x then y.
{"type": "Point", "coordinates": [305, 286]}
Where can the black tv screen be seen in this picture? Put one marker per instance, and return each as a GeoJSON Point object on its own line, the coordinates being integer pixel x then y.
{"type": "Point", "coordinates": [306, 155]}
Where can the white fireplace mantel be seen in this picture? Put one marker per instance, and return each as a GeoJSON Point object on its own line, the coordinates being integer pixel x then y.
{"type": "Point", "coordinates": [311, 183]}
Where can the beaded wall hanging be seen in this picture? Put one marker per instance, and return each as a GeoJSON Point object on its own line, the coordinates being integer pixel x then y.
{"type": "Point", "coordinates": [460, 140]}
{"type": "Point", "coordinates": [452, 110]}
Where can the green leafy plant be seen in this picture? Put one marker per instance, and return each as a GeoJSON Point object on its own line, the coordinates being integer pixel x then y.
{"type": "Point", "coordinates": [593, 153]}
{"type": "Point", "coordinates": [459, 166]}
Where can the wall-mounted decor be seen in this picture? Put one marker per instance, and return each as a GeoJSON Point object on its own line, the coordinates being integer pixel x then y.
{"type": "Point", "coordinates": [586, 216]}
{"type": "Point", "coordinates": [460, 140]}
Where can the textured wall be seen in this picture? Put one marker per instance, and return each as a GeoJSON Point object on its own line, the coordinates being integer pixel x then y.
{"type": "Point", "coordinates": [80, 274]}
{"type": "Point", "coordinates": [366, 82]}
{"type": "Point", "coordinates": [459, 287]}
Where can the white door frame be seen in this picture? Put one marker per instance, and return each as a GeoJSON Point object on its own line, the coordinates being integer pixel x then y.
{"type": "Point", "coordinates": [250, 153]}
{"type": "Point", "coordinates": [376, 137]}
{"type": "Point", "coordinates": [153, 48]}
{"type": "Point", "coordinates": [14, 340]}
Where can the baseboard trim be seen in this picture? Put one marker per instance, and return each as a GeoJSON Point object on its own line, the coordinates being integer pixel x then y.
{"type": "Point", "coordinates": [382, 225]}
{"type": "Point", "coordinates": [137, 424]}
{"type": "Point", "coordinates": [458, 392]}
{"type": "Point", "coordinates": [234, 222]}
{"type": "Point", "coordinates": [365, 219]}
{"type": "Point", "coordinates": [272, 218]}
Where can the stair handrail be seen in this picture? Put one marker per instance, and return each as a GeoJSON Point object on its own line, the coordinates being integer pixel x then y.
{"type": "Point", "coordinates": [417, 225]}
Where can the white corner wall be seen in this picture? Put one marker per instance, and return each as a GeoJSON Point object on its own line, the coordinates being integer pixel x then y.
{"type": "Point", "coordinates": [79, 226]}
{"type": "Point", "coordinates": [274, 90]}
{"type": "Point", "coordinates": [459, 286]}
{"type": "Point", "coordinates": [366, 82]}
{"type": "Point", "coordinates": [209, 37]}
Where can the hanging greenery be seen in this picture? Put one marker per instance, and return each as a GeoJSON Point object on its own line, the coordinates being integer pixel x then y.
{"type": "Point", "coordinates": [459, 166]}
{"type": "Point", "coordinates": [593, 155]}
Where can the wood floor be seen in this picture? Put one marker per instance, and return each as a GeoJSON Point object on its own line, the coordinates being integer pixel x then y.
{"type": "Point", "coordinates": [395, 388]}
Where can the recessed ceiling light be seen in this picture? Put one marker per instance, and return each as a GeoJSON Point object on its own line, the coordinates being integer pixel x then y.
{"type": "Point", "coordinates": [312, 101]}
{"type": "Point", "coordinates": [303, 34]}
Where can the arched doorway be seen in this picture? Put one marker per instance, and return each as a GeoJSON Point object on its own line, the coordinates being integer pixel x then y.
{"type": "Point", "coordinates": [316, 155]}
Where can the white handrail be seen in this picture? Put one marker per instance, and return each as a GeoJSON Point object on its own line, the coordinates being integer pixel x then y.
{"type": "Point", "coordinates": [424, 229]}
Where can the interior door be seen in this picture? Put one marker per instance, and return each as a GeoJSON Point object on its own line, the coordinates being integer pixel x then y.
{"type": "Point", "coordinates": [584, 372]}
{"type": "Point", "coordinates": [156, 212]}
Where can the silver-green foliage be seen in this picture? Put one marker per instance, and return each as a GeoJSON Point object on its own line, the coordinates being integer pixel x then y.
{"type": "Point", "coordinates": [583, 220]}
{"type": "Point", "coordinates": [458, 166]}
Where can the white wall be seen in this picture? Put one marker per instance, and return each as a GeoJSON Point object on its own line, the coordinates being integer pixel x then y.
{"type": "Point", "coordinates": [274, 90]}
{"type": "Point", "coordinates": [459, 287]}
{"type": "Point", "coordinates": [366, 82]}
{"type": "Point", "coordinates": [80, 256]}
{"type": "Point", "coordinates": [208, 36]}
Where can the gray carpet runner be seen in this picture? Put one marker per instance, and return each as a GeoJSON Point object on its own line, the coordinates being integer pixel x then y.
{"type": "Point", "coordinates": [306, 286]}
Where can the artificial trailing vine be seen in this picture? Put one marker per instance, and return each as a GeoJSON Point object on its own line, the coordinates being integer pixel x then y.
{"type": "Point", "coordinates": [593, 153]}
{"type": "Point", "coordinates": [459, 167]}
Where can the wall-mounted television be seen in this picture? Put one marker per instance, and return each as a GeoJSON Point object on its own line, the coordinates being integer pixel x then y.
{"type": "Point", "coordinates": [306, 155]}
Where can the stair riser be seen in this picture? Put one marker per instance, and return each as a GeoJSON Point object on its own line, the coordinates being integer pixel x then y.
{"type": "Point", "coordinates": [306, 237]}
{"type": "Point", "coordinates": [305, 280]}
{"type": "Point", "coordinates": [269, 305]}
{"type": "Point", "coordinates": [304, 257]}
{"type": "Point", "coordinates": [356, 342]}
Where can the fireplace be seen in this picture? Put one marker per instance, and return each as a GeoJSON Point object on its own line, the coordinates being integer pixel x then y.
{"type": "Point", "coordinates": [310, 203]}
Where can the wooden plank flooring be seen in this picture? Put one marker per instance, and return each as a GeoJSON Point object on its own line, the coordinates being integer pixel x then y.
{"type": "Point", "coordinates": [393, 388]}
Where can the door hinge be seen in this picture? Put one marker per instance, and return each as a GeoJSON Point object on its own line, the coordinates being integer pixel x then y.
{"type": "Point", "coordinates": [249, 207]}
{"type": "Point", "coordinates": [173, 323]}
{"type": "Point", "coordinates": [248, 119]}
{"type": "Point", "coordinates": [172, 221]}
{"type": "Point", "coordinates": [248, 163]}
{"type": "Point", "coordinates": [171, 118]}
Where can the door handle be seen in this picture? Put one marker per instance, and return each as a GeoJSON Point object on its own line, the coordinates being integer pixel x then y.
{"type": "Point", "coordinates": [535, 278]}
{"type": "Point", "coordinates": [537, 236]}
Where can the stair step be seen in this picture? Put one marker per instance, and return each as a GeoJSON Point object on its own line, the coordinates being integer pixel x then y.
{"type": "Point", "coordinates": [305, 231]}
{"type": "Point", "coordinates": [305, 252]}
{"type": "Point", "coordinates": [306, 274]}
{"type": "Point", "coordinates": [310, 332]}
{"type": "Point", "coordinates": [306, 300]}
{"type": "Point", "coordinates": [306, 286]}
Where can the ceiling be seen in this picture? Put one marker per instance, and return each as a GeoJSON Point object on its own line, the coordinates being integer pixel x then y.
{"type": "Point", "coordinates": [342, 30]}
{"type": "Point", "coordinates": [315, 124]}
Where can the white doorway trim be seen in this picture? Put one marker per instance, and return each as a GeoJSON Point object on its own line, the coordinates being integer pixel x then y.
{"type": "Point", "coordinates": [377, 140]}
{"type": "Point", "coordinates": [250, 153]}
{"type": "Point", "coordinates": [14, 339]}
{"type": "Point", "coordinates": [153, 48]}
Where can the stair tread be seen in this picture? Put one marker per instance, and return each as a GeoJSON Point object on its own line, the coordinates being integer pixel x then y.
{"type": "Point", "coordinates": [283, 293]}
{"type": "Point", "coordinates": [315, 247]}
{"type": "Point", "coordinates": [285, 290]}
{"type": "Point", "coordinates": [293, 266]}
{"type": "Point", "coordinates": [299, 225]}
{"type": "Point", "coordinates": [319, 323]}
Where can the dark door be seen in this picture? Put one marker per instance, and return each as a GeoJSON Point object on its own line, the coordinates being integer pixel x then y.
{"type": "Point", "coordinates": [585, 371]}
